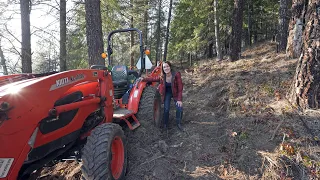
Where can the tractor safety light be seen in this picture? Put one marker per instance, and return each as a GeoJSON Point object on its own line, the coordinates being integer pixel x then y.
{"type": "Point", "coordinates": [104, 55]}
{"type": "Point", "coordinates": [147, 52]}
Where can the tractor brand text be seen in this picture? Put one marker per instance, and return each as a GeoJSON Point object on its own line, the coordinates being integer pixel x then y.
{"type": "Point", "coordinates": [66, 81]}
{"type": "Point", "coordinates": [62, 81]}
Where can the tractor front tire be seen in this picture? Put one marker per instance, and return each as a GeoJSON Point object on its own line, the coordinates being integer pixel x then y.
{"type": "Point", "coordinates": [105, 156]}
{"type": "Point", "coordinates": [149, 111]}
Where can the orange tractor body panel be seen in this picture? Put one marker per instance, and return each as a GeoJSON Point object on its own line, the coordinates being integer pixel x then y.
{"type": "Point", "coordinates": [30, 101]}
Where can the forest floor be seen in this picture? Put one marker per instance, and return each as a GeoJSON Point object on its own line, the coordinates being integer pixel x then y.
{"type": "Point", "coordinates": [238, 125]}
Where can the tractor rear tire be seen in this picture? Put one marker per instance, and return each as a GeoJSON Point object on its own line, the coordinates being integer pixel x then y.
{"type": "Point", "coordinates": [149, 111]}
{"type": "Point", "coordinates": [105, 155]}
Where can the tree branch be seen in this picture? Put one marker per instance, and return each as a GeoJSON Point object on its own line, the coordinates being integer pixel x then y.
{"type": "Point", "coordinates": [13, 47]}
{"type": "Point", "coordinates": [50, 5]}
{"type": "Point", "coordinates": [5, 25]}
{"type": "Point", "coordinates": [79, 2]}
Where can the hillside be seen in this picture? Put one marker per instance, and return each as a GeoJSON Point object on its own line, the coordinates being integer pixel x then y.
{"type": "Point", "coordinates": [238, 125]}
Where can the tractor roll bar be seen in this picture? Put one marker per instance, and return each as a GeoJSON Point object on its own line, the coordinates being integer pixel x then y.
{"type": "Point", "coordinates": [109, 50]}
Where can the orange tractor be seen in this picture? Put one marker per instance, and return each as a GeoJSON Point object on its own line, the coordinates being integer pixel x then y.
{"type": "Point", "coordinates": [45, 118]}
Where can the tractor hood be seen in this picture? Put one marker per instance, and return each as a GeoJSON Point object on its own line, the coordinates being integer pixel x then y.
{"type": "Point", "coordinates": [15, 87]}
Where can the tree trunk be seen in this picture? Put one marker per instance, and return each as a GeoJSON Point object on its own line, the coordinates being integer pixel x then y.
{"type": "Point", "coordinates": [146, 17]}
{"type": "Point", "coordinates": [94, 32]}
{"type": "Point", "coordinates": [283, 25]}
{"type": "Point", "coordinates": [255, 35]}
{"type": "Point", "coordinates": [216, 30]}
{"type": "Point", "coordinates": [294, 43]}
{"type": "Point", "coordinates": [63, 35]}
{"type": "Point", "coordinates": [158, 33]}
{"type": "Point", "coordinates": [305, 90]}
{"type": "Point", "coordinates": [151, 40]}
{"type": "Point", "coordinates": [249, 22]}
{"type": "Point", "coordinates": [167, 34]}
{"type": "Point", "coordinates": [132, 44]}
{"type": "Point", "coordinates": [210, 50]}
{"type": "Point", "coordinates": [3, 61]}
{"type": "Point", "coordinates": [49, 60]}
{"type": "Point", "coordinates": [26, 36]}
{"type": "Point", "coordinates": [236, 30]}
{"type": "Point", "coordinates": [266, 28]}
{"type": "Point", "coordinates": [274, 32]}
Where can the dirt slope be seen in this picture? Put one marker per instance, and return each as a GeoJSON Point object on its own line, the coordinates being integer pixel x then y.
{"type": "Point", "coordinates": [236, 118]}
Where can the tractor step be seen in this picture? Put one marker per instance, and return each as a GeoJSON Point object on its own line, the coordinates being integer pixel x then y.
{"type": "Point", "coordinates": [135, 125]}
{"type": "Point", "coordinates": [123, 114]}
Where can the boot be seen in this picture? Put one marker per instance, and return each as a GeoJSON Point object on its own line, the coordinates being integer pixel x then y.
{"type": "Point", "coordinates": [165, 130]}
{"type": "Point", "coordinates": [178, 119]}
{"type": "Point", "coordinates": [165, 126]}
{"type": "Point", "coordinates": [180, 127]}
{"type": "Point", "coordinates": [179, 124]}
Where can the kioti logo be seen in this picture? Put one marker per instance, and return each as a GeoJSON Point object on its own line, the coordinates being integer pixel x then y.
{"type": "Point", "coordinates": [66, 81]}
{"type": "Point", "coordinates": [62, 81]}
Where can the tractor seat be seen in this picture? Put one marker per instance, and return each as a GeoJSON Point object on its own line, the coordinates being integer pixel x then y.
{"type": "Point", "coordinates": [119, 75]}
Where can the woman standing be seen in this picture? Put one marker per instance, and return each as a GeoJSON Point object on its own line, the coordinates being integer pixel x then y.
{"type": "Point", "coordinates": [171, 86]}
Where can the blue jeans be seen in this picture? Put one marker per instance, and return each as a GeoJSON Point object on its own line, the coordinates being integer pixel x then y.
{"type": "Point", "coordinates": [179, 110]}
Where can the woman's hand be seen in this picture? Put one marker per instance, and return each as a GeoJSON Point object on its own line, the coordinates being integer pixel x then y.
{"type": "Point", "coordinates": [179, 103]}
{"type": "Point", "coordinates": [139, 80]}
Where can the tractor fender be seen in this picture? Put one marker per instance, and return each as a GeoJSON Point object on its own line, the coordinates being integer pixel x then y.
{"type": "Point", "coordinates": [135, 95]}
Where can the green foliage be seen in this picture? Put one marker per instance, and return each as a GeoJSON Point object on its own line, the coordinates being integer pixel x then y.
{"type": "Point", "coordinates": [191, 29]}
{"type": "Point", "coordinates": [77, 52]}
{"type": "Point", "coordinates": [47, 59]}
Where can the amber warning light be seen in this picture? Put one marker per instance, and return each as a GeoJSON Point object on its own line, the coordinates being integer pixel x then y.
{"type": "Point", "coordinates": [104, 55]}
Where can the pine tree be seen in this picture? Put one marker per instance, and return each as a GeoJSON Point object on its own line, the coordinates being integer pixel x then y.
{"type": "Point", "coordinates": [26, 36]}
{"type": "Point", "coordinates": [236, 30]}
{"type": "Point", "coordinates": [305, 87]}
{"type": "Point", "coordinates": [94, 32]}
{"type": "Point", "coordinates": [63, 35]}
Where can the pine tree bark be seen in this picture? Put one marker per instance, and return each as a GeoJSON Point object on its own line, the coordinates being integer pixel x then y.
{"type": "Point", "coordinates": [236, 30]}
{"type": "Point", "coordinates": [63, 35]}
{"type": "Point", "coordinates": [94, 32]}
{"type": "Point", "coordinates": [249, 21]}
{"type": "Point", "coordinates": [132, 42]}
{"type": "Point", "coordinates": [167, 33]}
{"type": "Point", "coordinates": [210, 50]}
{"type": "Point", "coordinates": [216, 30]}
{"type": "Point", "coordinates": [305, 90]}
{"type": "Point", "coordinates": [283, 25]}
{"type": "Point", "coordinates": [26, 36]}
{"type": "Point", "coordinates": [3, 61]}
{"type": "Point", "coordinates": [294, 42]}
{"type": "Point", "coordinates": [158, 52]}
{"type": "Point", "coordinates": [146, 17]}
